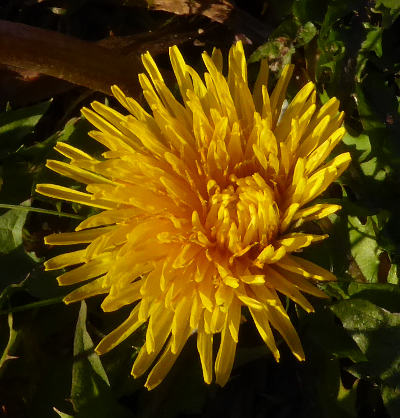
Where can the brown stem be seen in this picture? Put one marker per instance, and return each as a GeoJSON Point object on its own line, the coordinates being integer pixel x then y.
{"type": "Point", "coordinates": [67, 58]}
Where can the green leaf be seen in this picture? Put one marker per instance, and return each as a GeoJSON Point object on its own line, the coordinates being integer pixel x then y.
{"type": "Point", "coordinates": [43, 368]}
{"type": "Point", "coordinates": [325, 343]}
{"type": "Point", "coordinates": [33, 305]}
{"type": "Point", "coordinates": [305, 34]}
{"type": "Point", "coordinates": [392, 277]}
{"type": "Point", "coordinates": [361, 146]}
{"type": "Point", "coordinates": [11, 224]}
{"type": "Point", "coordinates": [376, 101]}
{"type": "Point", "coordinates": [377, 333]}
{"type": "Point", "coordinates": [322, 332]}
{"type": "Point", "coordinates": [306, 10]}
{"type": "Point", "coordinates": [91, 395]}
{"type": "Point", "coordinates": [15, 266]}
{"type": "Point", "coordinates": [364, 247]}
{"type": "Point", "coordinates": [332, 253]}
{"type": "Point", "coordinates": [372, 43]}
{"type": "Point", "coordinates": [17, 180]}
{"type": "Point", "coordinates": [12, 342]}
{"type": "Point", "coordinates": [390, 4]}
{"type": "Point", "coordinates": [62, 414]}
{"type": "Point", "coordinates": [278, 10]}
{"type": "Point", "coordinates": [75, 133]}
{"type": "Point", "coordinates": [15, 125]}
{"type": "Point", "coordinates": [347, 400]}
{"type": "Point", "coordinates": [383, 295]}
{"type": "Point", "coordinates": [40, 210]}
{"type": "Point", "coordinates": [278, 52]}
{"type": "Point", "coordinates": [182, 393]}
{"type": "Point", "coordinates": [88, 376]}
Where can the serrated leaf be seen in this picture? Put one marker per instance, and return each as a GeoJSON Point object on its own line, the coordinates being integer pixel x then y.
{"type": "Point", "coordinates": [376, 331]}
{"type": "Point", "coordinates": [11, 224]}
{"type": "Point", "coordinates": [12, 342]}
{"type": "Point", "coordinates": [15, 266]}
{"type": "Point", "coordinates": [88, 376]}
{"type": "Point", "coordinates": [91, 394]}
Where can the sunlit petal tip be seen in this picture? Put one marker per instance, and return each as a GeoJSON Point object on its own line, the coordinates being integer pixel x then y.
{"type": "Point", "coordinates": [60, 281]}
{"type": "Point", "coordinates": [300, 356]}
{"type": "Point", "coordinates": [85, 111]}
{"type": "Point", "coordinates": [202, 203]}
{"type": "Point", "coordinates": [100, 349]}
{"type": "Point", "coordinates": [277, 356]}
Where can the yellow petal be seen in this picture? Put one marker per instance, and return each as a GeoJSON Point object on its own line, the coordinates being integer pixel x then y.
{"type": "Point", "coordinates": [261, 321]}
{"type": "Point", "coordinates": [289, 216]}
{"type": "Point", "coordinates": [165, 363]}
{"type": "Point", "coordinates": [87, 271]}
{"type": "Point", "coordinates": [205, 349]}
{"type": "Point", "coordinates": [180, 323]}
{"type": "Point", "coordinates": [118, 141]}
{"type": "Point", "coordinates": [293, 110]}
{"type": "Point", "coordinates": [296, 240]}
{"type": "Point", "coordinates": [71, 152]}
{"type": "Point", "coordinates": [128, 295]}
{"type": "Point", "coordinates": [226, 353]}
{"type": "Point", "coordinates": [318, 211]}
{"type": "Point", "coordinates": [278, 95]}
{"type": "Point", "coordinates": [180, 71]}
{"type": "Point", "coordinates": [64, 193]}
{"type": "Point", "coordinates": [322, 178]}
{"type": "Point", "coordinates": [95, 287]}
{"type": "Point", "coordinates": [79, 237]}
{"type": "Point", "coordinates": [305, 268]}
{"type": "Point", "coordinates": [278, 282]}
{"type": "Point", "coordinates": [303, 284]}
{"type": "Point", "coordinates": [158, 329]}
{"type": "Point", "coordinates": [143, 361]}
{"type": "Point", "coordinates": [262, 80]}
{"type": "Point", "coordinates": [196, 312]}
{"type": "Point", "coordinates": [119, 334]}
{"type": "Point", "coordinates": [75, 173]}
{"type": "Point", "coordinates": [65, 260]}
{"type": "Point", "coordinates": [233, 319]}
{"type": "Point", "coordinates": [283, 325]}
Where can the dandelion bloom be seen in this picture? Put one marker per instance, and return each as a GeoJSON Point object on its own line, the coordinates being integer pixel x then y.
{"type": "Point", "coordinates": [203, 202]}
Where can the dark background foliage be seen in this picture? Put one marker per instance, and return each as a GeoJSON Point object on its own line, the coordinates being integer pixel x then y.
{"type": "Point", "coordinates": [58, 55]}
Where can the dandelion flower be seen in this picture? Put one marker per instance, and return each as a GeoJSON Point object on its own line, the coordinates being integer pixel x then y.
{"type": "Point", "coordinates": [202, 205]}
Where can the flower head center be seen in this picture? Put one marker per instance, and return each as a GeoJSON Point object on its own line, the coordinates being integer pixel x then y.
{"type": "Point", "coordinates": [242, 215]}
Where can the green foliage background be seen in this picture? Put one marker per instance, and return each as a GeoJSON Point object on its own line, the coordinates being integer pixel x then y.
{"type": "Point", "coordinates": [351, 50]}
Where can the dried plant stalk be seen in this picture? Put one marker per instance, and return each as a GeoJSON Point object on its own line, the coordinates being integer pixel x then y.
{"type": "Point", "coordinates": [80, 62]}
